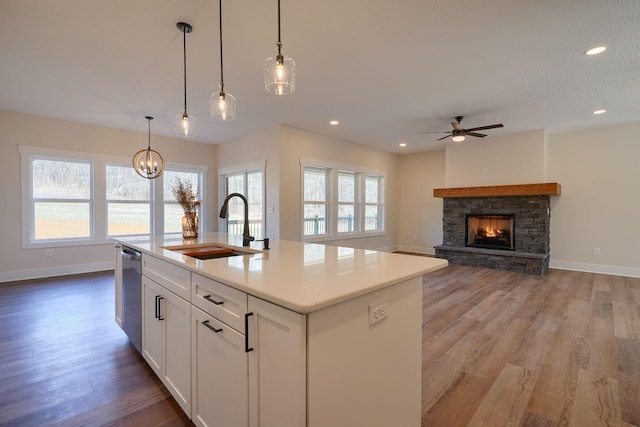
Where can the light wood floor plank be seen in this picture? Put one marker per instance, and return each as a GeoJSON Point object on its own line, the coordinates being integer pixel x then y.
{"type": "Point", "coordinates": [506, 401]}
{"type": "Point", "coordinates": [596, 401]}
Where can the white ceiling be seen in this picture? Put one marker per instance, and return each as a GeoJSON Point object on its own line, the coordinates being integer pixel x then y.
{"type": "Point", "coordinates": [386, 69]}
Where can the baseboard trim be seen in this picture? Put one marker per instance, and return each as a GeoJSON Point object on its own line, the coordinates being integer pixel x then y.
{"type": "Point", "coordinates": [595, 268]}
{"type": "Point", "coordinates": [63, 270]}
{"type": "Point", "coordinates": [387, 249]}
{"type": "Point", "coordinates": [417, 249]}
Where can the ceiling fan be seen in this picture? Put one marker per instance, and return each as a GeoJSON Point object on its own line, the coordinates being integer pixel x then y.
{"type": "Point", "coordinates": [458, 134]}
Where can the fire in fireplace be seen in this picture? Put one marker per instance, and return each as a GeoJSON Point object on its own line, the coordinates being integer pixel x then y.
{"type": "Point", "coordinates": [490, 231]}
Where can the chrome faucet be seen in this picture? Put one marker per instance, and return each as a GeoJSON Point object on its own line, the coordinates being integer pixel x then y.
{"type": "Point", "coordinates": [246, 237]}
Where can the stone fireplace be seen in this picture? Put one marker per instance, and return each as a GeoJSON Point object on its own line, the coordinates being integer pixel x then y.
{"type": "Point", "coordinates": [500, 227]}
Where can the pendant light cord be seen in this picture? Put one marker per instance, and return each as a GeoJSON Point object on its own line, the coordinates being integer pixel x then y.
{"type": "Point", "coordinates": [149, 121]}
{"type": "Point", "coordinates": [279, 38]}
{"type": "Point", "coordinates": [221, 67]}
{"type": "Point", "coordinates": [184, 57]}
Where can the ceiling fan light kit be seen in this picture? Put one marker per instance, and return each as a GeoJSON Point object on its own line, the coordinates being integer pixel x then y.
{"type": "Point", "coordinates": [458, 134]}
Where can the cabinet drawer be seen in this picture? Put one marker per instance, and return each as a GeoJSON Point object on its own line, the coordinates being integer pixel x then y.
{"type": "Point", "coordinates": [172, 277]}
{"type": "Point", "coordinates": [227, 304]}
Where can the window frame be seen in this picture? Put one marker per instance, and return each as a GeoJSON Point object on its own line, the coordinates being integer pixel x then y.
{"type": "Point", "coordinates": [332, 173]}
{"type": "Point", "coordinates": [242, 169]}
{"type": "Point", "coordinates": [160, 208]}
{"type": "Point", "coordinates": [118, 201]}
{"type": "Point", "coordinates": [98, 203]}
{"type": "Point", "coordinates": [31, 211]}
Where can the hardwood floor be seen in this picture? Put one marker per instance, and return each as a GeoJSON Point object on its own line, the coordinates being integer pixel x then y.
{"type": "Point", "coordinates": [65, 362]}
{"type": "Point", "coordinates": [505, 348]}
{"type": "Point", "coordinates": [499, 348]}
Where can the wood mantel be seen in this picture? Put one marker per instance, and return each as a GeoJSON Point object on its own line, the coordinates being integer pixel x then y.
{"type": "Point", "coordinates": [547, 188]}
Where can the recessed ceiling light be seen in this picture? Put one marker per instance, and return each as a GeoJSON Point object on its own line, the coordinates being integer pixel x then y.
{"type": "Point", "coordinates": [599, 112]}
{"type": "Point", "coordinates": [595, 50]}
{"type": "Point", "coordinates": [403, 144]}
{"type": "Point", "coordinates": [334, 123]}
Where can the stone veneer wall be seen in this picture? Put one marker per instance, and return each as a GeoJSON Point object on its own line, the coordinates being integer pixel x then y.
{"type": "Point", "coordinates": [532, 231]}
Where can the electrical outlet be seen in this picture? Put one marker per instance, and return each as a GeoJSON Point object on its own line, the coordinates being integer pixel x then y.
{"type": "Point", "coordinates": [596, 251]}
{"type": "Point", "coordinates": [49, 252]}
{"type": "Point", "coordinates": [378, 312]}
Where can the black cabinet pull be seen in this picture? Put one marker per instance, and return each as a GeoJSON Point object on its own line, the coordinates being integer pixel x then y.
{"type": "Point", "coordinates": [159, 298]}
{"type": "Point", "coordinates": [206, 323]}
{"type": "Point", "coordinates": [208, 298]}
{"type": "Point", "coordinates": [247, 349]}
{"type": "Point", "coordinates": [157, 306]}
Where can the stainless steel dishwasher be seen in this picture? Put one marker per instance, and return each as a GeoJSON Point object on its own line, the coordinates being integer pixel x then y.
{"type": "Point", "coordinates": [132, 295]}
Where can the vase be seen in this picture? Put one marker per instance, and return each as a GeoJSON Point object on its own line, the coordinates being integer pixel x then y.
{"type": "Point", "coordinates": [190, 225]}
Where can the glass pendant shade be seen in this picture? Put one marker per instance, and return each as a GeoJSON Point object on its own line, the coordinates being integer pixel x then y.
{"type": "Point", "coordinates": [280, 75]}
{"type": "Point", "coordinates": [222, 106]}
{"type": "Point", "coordinates": [185, 124]}
{"type": "Point", "coordinates": [148, 163]}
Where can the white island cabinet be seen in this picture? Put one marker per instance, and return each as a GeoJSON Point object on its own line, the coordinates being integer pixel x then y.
{"type": "Point", "coordinates": [301, 335]}
{"type": "Point", "coordinates": [166, 322]}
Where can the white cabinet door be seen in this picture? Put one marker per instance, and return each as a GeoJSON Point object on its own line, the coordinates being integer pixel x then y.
{"type": "Point", "coordinates": [277, 365]}
{"type": "Point", "coordinates": [166, 320]}
{"type": "Point", "coordinates": [176, 373]}
{"type": "Point", "coordinates": [118, 282]}
{"type": "Point", "coordinates": [220, 378]}
{"type": "Point", "coordinates": [152, 334]}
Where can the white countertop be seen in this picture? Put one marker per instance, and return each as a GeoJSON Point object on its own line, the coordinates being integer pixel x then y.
{"type": "Point", "coordinates": [303, 277]}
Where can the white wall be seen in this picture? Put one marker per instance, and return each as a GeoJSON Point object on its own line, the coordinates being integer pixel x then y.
{"type": "Point", "coordinates": [262, 146]}
{"type": "Point", "coordinates": [599, 170]}
{"type": "Point", "coordinates": [21, 129]}
{"type": "Point", "coordinates": [420, 225]}
{"type": "Point", "coordinates": [512, 159]}
{"type": "Point", "coordinates": [296, 143]}
{"type": "Point", "coordinates": [599, 207]}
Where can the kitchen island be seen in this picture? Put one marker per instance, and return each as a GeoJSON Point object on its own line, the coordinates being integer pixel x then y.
{"type": "Point", "coordinates": [300, 334]}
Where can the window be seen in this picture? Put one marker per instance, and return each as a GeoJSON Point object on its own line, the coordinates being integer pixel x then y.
{"type": "Point", "coordinates": [128, 202]}
{"type": "Point", "coordinates": [61, 199]}
{"type": "Point", "coordinates": [315, 201]}
{"type": "Point", "coordinates": [341, 201]}
{"type": "Point", "coordinates": [73, 198]}
{"type": "Point", "coordinates": [247, 180]}
{"type": "Point", "coordinates": [173, 212]}
{"type": "Point", "coordinates": [346, 201]}
{"type": "Point", "coordinates": [372, 202]}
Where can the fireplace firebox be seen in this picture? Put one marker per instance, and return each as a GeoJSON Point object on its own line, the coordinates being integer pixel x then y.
{"type": "Point", "coordinates": [490, 231]}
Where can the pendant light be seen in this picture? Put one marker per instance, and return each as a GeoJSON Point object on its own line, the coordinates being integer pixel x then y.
{"type": "Point", "coordinates": [185, 123]}
{"type": "Point", "coordinates": [279, 72]}
{"type": "Point", "coordinates": [148, 163]}
{"type": "Point", "coordinates": [222, 104]}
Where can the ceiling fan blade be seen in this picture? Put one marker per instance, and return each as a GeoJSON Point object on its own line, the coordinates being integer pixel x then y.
{"type": "Point", "coordinates": [477, 135]}
{"type": "Point", "coordinates": [436, 132]}
{"type": "Point", "coordinates": [444, 137]}
{"type": "Point", "coordinates": [456, 125]}
{"type": "Point", "coordinates": [499, 125]}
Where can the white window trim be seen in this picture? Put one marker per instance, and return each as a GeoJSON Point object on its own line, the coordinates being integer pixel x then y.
{"type": "Point", "coordinates": [331, 228]}
{"type": "Point", "coordinates": [158, 214]}
{"type": "Point", "coordinates": [260, 165]}
{"type": "Point", "coordinates": [99, 199]}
